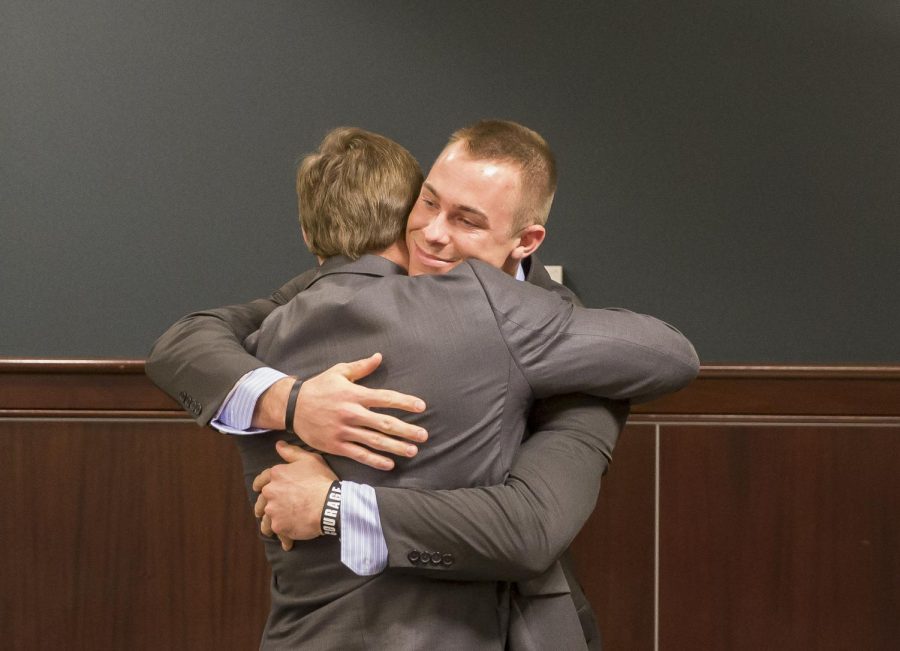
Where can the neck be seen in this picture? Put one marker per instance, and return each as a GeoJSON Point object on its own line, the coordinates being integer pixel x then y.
{"type": "Point", "coordinates": [396, 253]}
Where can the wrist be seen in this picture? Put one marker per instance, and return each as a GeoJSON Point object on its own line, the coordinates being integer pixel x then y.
{"type": "Point", "coordinates": [292, 407]}
{"type": "Point", "coordinates": [269, 411]}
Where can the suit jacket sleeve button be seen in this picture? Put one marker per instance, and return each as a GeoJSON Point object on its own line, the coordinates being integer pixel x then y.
{"type": "Point", "coordinates": [413, 556]}
{"type": "Point", "coordinates": [447, 559]}
{"type": "Point", "coordinates": [436, 558]}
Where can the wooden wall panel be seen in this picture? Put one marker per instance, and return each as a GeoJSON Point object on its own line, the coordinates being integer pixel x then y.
{"type": "Point", "coordinates": [614, 553]}
{"type": "Point", "coordinates": [126, 526]}
{"type": "Point", "coordinates": [744, 393]}
{"type": "Point", "coordinates": [69, 386]}
{"type": "Point", "coordinates": [126, 535]}
{"type": "Point", "coordinates": [779, 537]}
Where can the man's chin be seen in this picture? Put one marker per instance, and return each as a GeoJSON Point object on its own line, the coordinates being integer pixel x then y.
{"type": "Point", "coordinates": [421, 270]}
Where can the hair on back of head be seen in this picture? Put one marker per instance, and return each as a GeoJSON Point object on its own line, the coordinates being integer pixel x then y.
{"type": "Point", "coordinates": [355, 193]}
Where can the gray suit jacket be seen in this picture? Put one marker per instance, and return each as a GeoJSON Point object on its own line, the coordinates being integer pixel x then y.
{"type": "Point", "coordinates": [477, 346]}
{"type": "Point", "coordinates": [200, 357]}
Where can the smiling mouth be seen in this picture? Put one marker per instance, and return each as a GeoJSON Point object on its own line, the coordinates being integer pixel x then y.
{"type": "Point", "coordinates": [431, 260]}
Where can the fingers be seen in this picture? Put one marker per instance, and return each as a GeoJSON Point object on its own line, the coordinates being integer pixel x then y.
{"type": "Point", "coordinates": [361, 367]}
{"type": "Point", "coordinates": [387, 399]}
{"type": "Point", "coordinates": [365, 456]}
{"type": "Point", "coordinates": [302, 464]}
{"type": "Point", "coordinates": [259, 509]}
{"type": "Point", "coordinates": [288, 452]}
{"type": "Point", "coordinates": [340, 417]}
{"type": "Point", "coordinates": [380, 424]}
{"type": "Point", "coordinates": [266, 528]}
{"type": "Point", "coordinates": [294, 455]}
{"type": "Point", "coordinates": [265, 525]}
{"type": "Point", "coordinates": [379, 442]}
{"type": "Point", "coordinates": [261, 480]}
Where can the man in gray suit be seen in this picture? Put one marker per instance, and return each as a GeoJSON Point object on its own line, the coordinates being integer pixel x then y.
{"type": "Point", "coordinates": [432, 257]}
{"type": "Point", "coordinates": [475, 343]}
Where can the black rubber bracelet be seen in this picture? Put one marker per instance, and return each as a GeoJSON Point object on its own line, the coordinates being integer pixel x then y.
{"type": "Point", "coordinates": [331, 511]}
{"type": "Point", "coordinates": [292, 407]}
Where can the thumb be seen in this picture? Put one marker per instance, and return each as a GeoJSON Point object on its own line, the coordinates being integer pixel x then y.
{"type": "Point", "coordinates": [288, 452]}
{"type": "Point", "coordinates": [362, 367]}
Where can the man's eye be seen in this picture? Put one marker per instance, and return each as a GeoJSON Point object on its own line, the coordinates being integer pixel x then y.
{"type": "Point", "coordinates": [428, 202]}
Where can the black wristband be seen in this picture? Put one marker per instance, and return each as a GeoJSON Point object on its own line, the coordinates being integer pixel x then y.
{"type": "Point", "coordinates": [331, 511]}
{"type": "Point", "coordinates": [292, 407]}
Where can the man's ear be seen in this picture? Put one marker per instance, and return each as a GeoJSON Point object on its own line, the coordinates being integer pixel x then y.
{"type": "Point", "coordinates": [306, 242]}
{"type": "Point", "coordinates": [303, 233]}
{"type": "Point", "coordinates": [529, 240]}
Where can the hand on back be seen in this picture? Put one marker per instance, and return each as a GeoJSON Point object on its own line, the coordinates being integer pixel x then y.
{"type": "Point", "coordinates": [292, 495]}
{"type": "Point", "coordinates": [334, 415]}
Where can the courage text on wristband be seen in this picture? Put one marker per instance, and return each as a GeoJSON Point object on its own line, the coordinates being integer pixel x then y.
{"type": "Point", "coordinates": [331, 512]}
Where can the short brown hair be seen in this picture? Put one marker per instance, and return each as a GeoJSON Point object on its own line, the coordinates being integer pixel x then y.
{"type": "Point", "coordinates": [510, 142]}
{"type": "Point", "coordinates": [355, 193]}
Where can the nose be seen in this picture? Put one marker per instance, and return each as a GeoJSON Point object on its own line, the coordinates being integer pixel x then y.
{"type": "Point", "coordinates": [436, 230]}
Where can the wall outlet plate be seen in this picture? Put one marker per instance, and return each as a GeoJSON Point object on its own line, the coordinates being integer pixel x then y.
{"type": "Point", "coordinates": [555, 271]}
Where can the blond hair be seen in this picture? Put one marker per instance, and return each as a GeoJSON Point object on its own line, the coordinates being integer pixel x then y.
{"type": "Point", "coordinates": [355, 193]}
{"type": "Point", "coordinates": [509, 142]}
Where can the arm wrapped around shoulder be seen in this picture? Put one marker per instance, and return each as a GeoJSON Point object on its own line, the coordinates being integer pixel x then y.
{"type": "Point", "coordinates": [610, 353]}
{"type": "Point", "coordinates": [200, 358]}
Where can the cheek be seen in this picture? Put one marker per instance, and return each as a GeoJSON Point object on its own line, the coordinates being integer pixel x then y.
{"type": "Point", "coordinates": [411, 223]}
{"type": "Point", "coordinates": [418, 218]}
{"type": "Point", "coordinates": [496, 252]}
{"type": "Point", "coordinates": [475, 245]}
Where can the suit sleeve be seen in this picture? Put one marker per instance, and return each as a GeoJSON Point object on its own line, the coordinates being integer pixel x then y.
{"type": "Point", "coordinates": [200, 358]}
{"type": "Point", "coordinates": [515, 531]}
{"type": "Point", "coordinates": [562, 348]}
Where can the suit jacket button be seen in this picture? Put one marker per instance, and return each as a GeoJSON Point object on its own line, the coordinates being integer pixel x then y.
{"type": "Point", "coordinates": [447, 559]}
{"type": "Point", "coordinates": [436, 558]}
{"type": "Point", "coordinates": [413, 557]}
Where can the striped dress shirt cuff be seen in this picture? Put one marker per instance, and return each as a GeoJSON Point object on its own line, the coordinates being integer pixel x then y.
{"type": "Point", "coordinates": [363, 548]}
{"type": "Point", "coordinates": [236, 413]}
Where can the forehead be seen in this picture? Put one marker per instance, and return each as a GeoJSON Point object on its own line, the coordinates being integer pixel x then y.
{"type": "Point", "coordinates": [485, 185]}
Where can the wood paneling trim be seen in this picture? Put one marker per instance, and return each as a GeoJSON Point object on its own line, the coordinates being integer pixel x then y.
{"type": "Point", "coordinates": [871, 372]}
{"type": "Point", "coordinates": [79, 385]}
{"type": "Point", "coordinates": [770, 371]}
{"type": "Point", "coordinates": [86, 366]}
{"type": "Point", "coordinates": [756, 419]}
{"type": "Point", "coordinates": [827, 393]}
{"type": "Point", "coordinates": [40, 386]}
{"type": "Point", "coordinates": [89, 414]}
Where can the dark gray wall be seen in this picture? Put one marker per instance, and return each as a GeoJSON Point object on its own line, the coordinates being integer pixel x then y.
{"type": "Point", "coordinates": [731, 166]}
